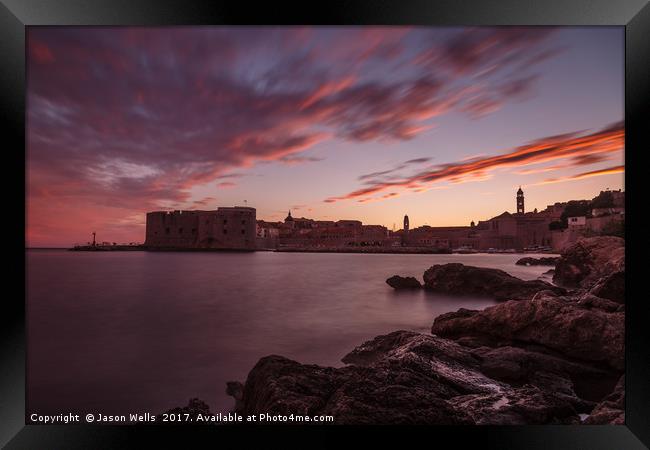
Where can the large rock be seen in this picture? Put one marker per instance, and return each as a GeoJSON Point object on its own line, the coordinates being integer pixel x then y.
{"type": "Point", "coordinates": [587, 261]}
{"type": "Point", "coordinates": [458, 279]}
{"type": "Point", "coordinates": [543, 261]}
{"type": "Point", "coordinates": [612, 409]}
{"type": "Point", "coordinates": [404, 377]}
{"type": "Point", "coordinates": [512, 365]}
{"type": "Point", "coordinates": [580, 383]}
{"type": "Point", "coordinates": [611, 287]}
{"type": "Point", "coordinates": [581, 331]}
{"type": "Point", "coordinates": [397, 282]}
{"type": "Point", "coordinates": [590, 301]}
{"type": "Point", "coordinates": [390, 394]}
{"type": "Point", "coordinates": [523, 406]}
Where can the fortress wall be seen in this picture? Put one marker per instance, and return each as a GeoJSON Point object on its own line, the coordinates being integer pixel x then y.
{"type": "Point", "coordinates": [227, 228]}
{"type": "Point", "coordinates": [171, 229]}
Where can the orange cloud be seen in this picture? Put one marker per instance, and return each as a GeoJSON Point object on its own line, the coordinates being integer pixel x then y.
{"type": "Point", "coordinates": [580, 176]}
{"type": "Point", "coordinates": [577, 148]}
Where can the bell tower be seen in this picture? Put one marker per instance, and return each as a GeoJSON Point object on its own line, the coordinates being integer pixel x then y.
{"type": "Point", "coordinates": [520, 201]}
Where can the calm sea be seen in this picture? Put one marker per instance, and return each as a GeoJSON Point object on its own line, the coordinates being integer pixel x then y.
{"type": "Point", "coordinates": [127, 332]}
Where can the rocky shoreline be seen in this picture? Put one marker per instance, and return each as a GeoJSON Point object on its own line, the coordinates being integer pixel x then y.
{"type": "Point", "coordinates": [546, 354]}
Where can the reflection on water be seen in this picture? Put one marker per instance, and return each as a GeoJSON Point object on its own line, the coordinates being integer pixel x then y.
{"type": "Point", "coordinates": [137, 331]}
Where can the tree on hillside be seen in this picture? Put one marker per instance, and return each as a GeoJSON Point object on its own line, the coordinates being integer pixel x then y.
{"type": "Point", "coordinates": [574, 208]}
{"type": "Point", "coordinates": [603, 200]}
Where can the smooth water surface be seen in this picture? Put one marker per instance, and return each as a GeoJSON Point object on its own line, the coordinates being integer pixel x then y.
{"type": "Point", "coordinates": [127, 332]}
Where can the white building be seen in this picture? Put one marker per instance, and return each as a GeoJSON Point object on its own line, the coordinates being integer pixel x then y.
{"type": "Point", "coordinates": [577, 222]}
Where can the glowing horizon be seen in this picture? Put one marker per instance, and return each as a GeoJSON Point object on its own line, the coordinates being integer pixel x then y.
{"type": "Point", "coordinates": [365, 123]}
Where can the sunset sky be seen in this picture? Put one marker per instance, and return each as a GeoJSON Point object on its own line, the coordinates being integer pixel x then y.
{"type": "Point", "coordinates": [367, 123]}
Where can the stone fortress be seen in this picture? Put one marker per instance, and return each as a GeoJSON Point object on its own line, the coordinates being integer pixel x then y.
{"type": "Point", "coordinates": [227, 228]}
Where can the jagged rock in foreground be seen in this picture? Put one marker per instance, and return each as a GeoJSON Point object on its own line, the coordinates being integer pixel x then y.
{"type": "Point", "coordinates": [588, 331]}
{"type": "Point", "coordinates": [459, 279]}
{"type": "Point", "coordinates": [397, 282]}
{"type": "Point", "coordinates": [390, 394]}
{"type": "Point", "coordinates": [407, 377]}
{"type": "Point", "coordinates": [543, 261]}
{"type": "Point", "coordinates": [587, 261]}
{"type": "Point", "coordinates": [611, 411]}
{"type": "Point", "coordinates": [611, 287]}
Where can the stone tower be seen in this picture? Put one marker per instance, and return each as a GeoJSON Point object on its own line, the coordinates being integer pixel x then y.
{"type": "Point", "coordinates": [520, 201]}
{"type": "Point", "coordinates": [406, 224]}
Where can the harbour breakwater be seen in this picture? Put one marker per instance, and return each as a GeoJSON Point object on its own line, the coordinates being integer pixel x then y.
{"type": "Point", "coordinates": [369, 249]}
{"type": "Point", "coordinates": [107, 248]}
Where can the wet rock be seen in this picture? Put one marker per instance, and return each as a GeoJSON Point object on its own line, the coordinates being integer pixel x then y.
{"type": "Point", "coordinates": [543, 261]}
{"type": "Point", "coordinates": [587, 261]}
{"type": "Point", "coordinates": [523, 406]}
{"type": "Point", "coordinates": [611, 287]}
{"type": "Point", "coordinates": [545, 294]}
{"type": "Point", "coordinates": [458, 279]}
{"type": "Point", "coordinates": [579, 383]}
{"type": "Point", "coordinates": [402, 377]}
{"type": "Point", "coordinates": [394, 344]}
{"type": "Point", "coordinates": [397, 282]}
{"type": "Point", "coordinates": [390, 394]}
{"type": "Point", "coordinates": [588, 300]}
{"type": "Point", "coordinates": [502, 369]}
{"type": "Point", "coordinates": [559, 324]}
{"type": "Point", "coordinates": [612, 409]}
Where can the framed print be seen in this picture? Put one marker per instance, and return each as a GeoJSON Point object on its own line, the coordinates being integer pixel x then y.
{"type": "Point", "coordinates": [354, 217]}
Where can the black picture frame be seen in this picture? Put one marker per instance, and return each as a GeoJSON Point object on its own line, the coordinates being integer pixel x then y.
{"type": "Point", "coordinates": [634, 15]}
